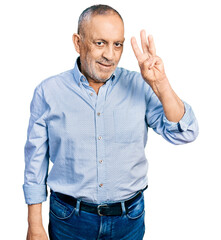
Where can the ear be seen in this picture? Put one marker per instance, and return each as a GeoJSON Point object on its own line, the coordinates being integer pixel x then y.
{"type": "Point", "coordinates": [76, 40]}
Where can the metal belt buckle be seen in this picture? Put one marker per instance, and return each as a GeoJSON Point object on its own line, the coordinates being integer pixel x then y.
{"type": "Point", "coordinates": [98, 209]}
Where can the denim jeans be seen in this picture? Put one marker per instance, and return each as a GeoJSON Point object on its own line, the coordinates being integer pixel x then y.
{"type": "Point", "coordinates": [67, 222]}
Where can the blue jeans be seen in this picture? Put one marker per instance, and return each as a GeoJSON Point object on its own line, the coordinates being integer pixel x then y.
{"type": "Point", "coordinates": [67, 222]}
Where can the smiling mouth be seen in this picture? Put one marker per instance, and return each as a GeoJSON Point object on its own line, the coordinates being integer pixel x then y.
{"type": "Point", "coordinates": [105, 65]}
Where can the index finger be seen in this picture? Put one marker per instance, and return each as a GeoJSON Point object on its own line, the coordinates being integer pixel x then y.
{"type": "Point", "coordinates": [136, 49]}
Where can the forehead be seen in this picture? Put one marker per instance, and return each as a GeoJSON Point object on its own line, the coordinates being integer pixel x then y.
{"type": "Point", "coordinates": [107, 27]}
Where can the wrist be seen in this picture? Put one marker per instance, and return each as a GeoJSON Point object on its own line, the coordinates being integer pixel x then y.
{"type": "Point", "coordinates": [35, 221]}
{"type": "Point", "coordinates": [161, 87]}
{"type": "Point", "coordinates": [34, 215]}
{"type": "Point", "coordinates": [36, 232]}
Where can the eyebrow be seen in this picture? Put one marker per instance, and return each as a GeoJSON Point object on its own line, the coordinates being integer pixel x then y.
{"type": "Point", "coordinates": [102, 40]}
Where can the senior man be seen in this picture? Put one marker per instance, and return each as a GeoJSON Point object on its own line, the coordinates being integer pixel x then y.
{"type": "Point", "coordinates": [92, 122]}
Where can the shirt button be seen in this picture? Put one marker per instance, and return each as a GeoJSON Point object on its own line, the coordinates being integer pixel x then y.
{"type": "Point", "coordinates": [100, 161]}
{"type": "Point", "coordinates": [101, 185]}
{"type": "Point", "coordinates": [98, 114]}
{"type": "Point", "coordinates": [99, 137]}
{"type": "Point", "coordinates": [91, 94]}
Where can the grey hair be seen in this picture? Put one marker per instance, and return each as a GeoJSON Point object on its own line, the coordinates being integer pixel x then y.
{"type": "Point", "coordinates": [94, 10]}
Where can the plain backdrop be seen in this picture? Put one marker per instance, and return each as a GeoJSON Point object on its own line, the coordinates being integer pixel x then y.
{"type": "Point", "coordinates": [183, 200]}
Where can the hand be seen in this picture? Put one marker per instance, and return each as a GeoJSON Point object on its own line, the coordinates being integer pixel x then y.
{"type": "Point", "coordinates": [151, 66]}
{"type": "Point", "coordinates": [152, 70]}
{"type": "Point", "coordinates": [36, 233]}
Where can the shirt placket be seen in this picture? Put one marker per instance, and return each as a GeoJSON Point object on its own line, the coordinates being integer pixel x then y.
{"type": "Point", "coordinates": [102, 189]}
{"type": "Point", "coordinates": [98, 102]}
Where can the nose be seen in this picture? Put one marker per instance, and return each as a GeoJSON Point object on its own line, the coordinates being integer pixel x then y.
{"type": "Point", "coordinates": [108, 53]}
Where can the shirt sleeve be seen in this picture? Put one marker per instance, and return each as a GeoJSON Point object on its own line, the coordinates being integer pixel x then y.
{"type": "Point", "coordinates": [184, 131]}
{"type": "Point", "coordinates": [36, 151]}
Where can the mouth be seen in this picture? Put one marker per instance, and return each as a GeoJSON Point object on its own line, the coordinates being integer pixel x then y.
{"type": "Point", "coordinates": [106, 66]}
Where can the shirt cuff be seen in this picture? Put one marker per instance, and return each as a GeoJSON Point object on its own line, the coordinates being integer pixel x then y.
{"type": "Point", "coordinates": [35, 193]}
{"type": "Point", "coordinates": [184, 122]}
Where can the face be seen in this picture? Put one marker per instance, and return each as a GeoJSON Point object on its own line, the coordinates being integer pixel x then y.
{"type": "Point", "coordinates": [101, 46]}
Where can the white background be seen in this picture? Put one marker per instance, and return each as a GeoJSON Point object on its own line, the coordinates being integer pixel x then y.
{"type": "Point", "coordinates": [183, 200]}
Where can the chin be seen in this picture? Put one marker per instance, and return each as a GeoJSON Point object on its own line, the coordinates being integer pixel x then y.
{"type": "Point", "coordinates": [105, 75]}
{"type": "Point", "coordinates": [104, 79]}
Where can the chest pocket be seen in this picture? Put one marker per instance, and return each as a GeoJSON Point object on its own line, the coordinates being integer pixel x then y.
{"type": "Point", "coordinates": [128, 125]}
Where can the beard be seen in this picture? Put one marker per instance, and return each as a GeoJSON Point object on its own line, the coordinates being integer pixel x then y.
{"type": "Point", "coordinates": [91, 72]}
{"type": "Point", "coordinates": [99, 80]}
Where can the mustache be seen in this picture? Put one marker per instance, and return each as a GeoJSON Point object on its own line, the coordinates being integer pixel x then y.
{"type": "Point", "coordinates": [105, 62]}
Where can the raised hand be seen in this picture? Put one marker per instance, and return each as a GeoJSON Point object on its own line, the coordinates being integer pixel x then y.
{"type": "Point", "coordinates": [152, 70]}
{"type": "Point", "coordinates": [151, 66]}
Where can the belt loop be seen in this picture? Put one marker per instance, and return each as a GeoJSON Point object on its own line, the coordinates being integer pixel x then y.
{"type": "Point", "coordinates": [77, 207]}
{"type": "Point", "coordinates": [123, 208]}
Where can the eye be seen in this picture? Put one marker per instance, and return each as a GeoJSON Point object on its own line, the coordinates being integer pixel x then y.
{"type": "Point", "coordinates": [100, 44]}
{"type": "Point", "coordinates": [118, 45]}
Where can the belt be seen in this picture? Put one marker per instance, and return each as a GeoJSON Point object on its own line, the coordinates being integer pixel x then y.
{"type": "Point", "coordinates": [109, 209]}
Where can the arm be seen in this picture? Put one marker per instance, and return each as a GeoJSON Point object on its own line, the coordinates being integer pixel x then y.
{"type": "Point", "coordinates": [35, 226]}
{"type": "Point", "coordinates": [181, 132]}
{"type": "Point", "coordinates": [36, 165]}
{"type": "Point", "coordinates": [152, 70]}
{"type": "Point", "coordinates": [166, 113]}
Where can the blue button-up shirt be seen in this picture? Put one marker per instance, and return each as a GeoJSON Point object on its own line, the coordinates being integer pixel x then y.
{"type": "Point", "coordinates": [96, 142]}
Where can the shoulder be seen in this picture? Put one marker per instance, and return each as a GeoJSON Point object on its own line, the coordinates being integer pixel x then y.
{"type": "Point", "coordinates": [133, 78]}
{"type": "Point", "coordinates": [56, 79]}
{"type": "Point", "coordinates": [128, 74]}
{"type": "Point", "coordinates": [54, 82]}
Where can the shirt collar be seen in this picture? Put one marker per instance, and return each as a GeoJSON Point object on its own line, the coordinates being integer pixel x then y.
{"type": "Point", "coordinates": [79, 77]}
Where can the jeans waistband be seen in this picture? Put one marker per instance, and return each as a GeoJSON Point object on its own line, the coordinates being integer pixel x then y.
{"type": "Point", "coordinates": [106, 209]}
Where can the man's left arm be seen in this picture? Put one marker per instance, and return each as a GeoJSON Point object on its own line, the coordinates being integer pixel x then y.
{"type": "Point", "coordinates": [178, 115]}
{"type": "Point", "coordinates": [183, 131]}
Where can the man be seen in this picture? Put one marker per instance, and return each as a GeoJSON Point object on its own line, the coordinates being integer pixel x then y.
{"type": "Point", "coordinates": [92, 122]}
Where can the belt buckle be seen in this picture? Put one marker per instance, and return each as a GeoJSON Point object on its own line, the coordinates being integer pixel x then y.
{"type": "Point", "coordinates": [98, 209]}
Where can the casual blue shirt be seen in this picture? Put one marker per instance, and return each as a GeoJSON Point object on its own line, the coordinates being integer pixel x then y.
{"type": "Point", "coordinates": [96, 142]}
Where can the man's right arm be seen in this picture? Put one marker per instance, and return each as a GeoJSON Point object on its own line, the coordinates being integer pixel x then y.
{"type": "Point", "coordinates": [36, 230]}
{"type": "Point", "coordinates": [36, 165]}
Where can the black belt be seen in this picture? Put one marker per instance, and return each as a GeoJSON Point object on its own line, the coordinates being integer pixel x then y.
{"type": "Point", "coordinates": [111, 209]}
